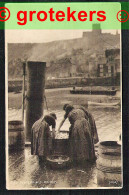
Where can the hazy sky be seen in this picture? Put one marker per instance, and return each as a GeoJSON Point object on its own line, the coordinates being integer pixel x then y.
{"type": "Point", "coordinates": [40, 36]}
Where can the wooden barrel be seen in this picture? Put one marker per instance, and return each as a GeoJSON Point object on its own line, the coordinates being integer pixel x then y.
{"type": "Point", "coordinates": [109, 169]}
{"type": "Point", "coordinates": [16, 137]}
{"type": "Point", "coordinates": [109, 146]}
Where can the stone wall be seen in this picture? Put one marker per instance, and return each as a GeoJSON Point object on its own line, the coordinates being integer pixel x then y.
{"type": "Point", "coordinates": [16, 85]}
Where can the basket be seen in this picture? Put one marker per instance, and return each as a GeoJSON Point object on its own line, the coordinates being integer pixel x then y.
{"type": "Point", "coordinates": [58, 161]}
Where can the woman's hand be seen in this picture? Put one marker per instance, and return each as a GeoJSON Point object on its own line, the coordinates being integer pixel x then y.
{"type": "Point", "coordinates": [96, 139]}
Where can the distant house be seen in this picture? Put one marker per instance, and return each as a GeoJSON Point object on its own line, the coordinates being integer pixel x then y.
{"type": "Point", "coordinates": [102, 68]}
{"type": "Point", "coordinates": [113, 61]}
{"type": "Point", "coordinates": [117, 64]}
{"type": "Point", "coordinates": [73, 70]}
{"type": "Point", "coordinates": [109, 65]}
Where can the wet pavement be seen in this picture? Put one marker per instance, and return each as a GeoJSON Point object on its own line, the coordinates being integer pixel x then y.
{"type": "Point", "coordinates": [26, 172]}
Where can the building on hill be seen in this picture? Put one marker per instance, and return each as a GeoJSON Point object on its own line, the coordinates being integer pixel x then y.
{"type": "Point", "coordinates": [110, 65]}
{"type": "Point", "coordinates": [61, 69]}
{"type": "Point", "coordinates": [98, 56]}
{"type": "Point", "coordinates": [101, 64]}
{"type": "Point", "coordinates": [113, 61]}
{"type": "Point", "coordinates": [97, 37]}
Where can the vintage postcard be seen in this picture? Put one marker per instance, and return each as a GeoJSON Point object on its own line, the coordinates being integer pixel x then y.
{"type": "Point", "coordinates": [64, 105]}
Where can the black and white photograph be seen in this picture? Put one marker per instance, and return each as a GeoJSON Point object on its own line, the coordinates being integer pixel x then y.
{"type": "Point", "coordinates": [64, 109]}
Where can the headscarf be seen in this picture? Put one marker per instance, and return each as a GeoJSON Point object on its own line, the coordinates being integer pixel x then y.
{"type": "Point", "coordinates": [50, 120]}
{"type": "Point", "coordinates": [53, 115]}
{"type": "Point", "coordinates": [65, 105]}
{"type": "Point", "coordinates": [68, 109]}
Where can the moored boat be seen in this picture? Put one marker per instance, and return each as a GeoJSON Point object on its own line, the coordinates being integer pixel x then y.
{"type": "Point", "coordinates": [94, 92]}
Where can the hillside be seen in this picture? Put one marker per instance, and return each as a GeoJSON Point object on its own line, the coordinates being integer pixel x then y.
{"type": "Point", "coordinates": [60, 55]}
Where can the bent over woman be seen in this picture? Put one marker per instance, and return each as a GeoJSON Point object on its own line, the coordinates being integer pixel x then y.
{"type": "Point", "coordinates": [88, 116]}
{"type": "Point", "coordinates": [80, 138]}
{"type": "Point", "coordinates": [41, 144]}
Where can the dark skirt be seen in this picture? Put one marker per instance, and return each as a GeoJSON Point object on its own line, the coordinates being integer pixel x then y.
{"type": "Point", "coordinates": [81, 141]}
